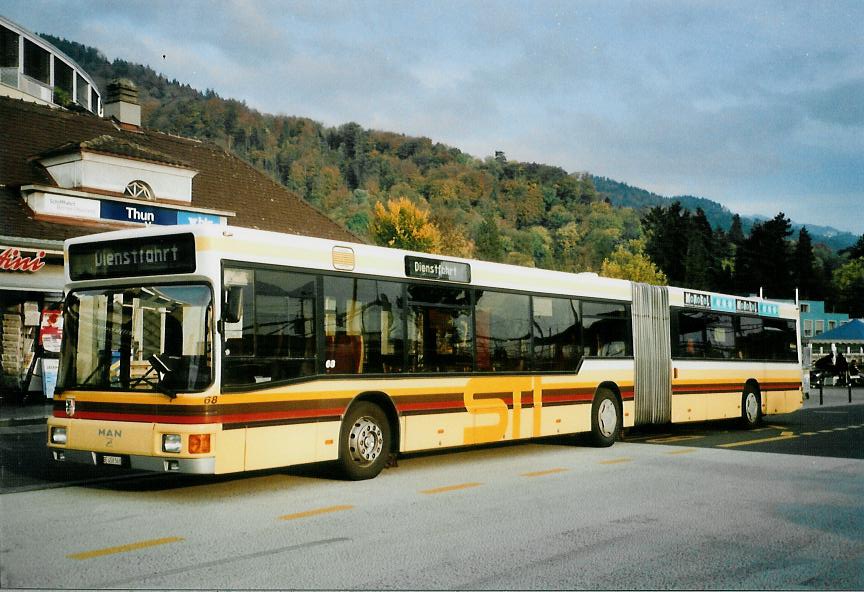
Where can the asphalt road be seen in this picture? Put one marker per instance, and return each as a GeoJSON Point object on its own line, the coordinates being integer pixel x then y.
{"type": "Point", "coordinates": [642, 514]}
{"type": "Point", "coordinates": [836, 431]}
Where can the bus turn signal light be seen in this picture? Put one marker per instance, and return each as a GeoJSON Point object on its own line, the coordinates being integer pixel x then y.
{"type": "Point", "coordinates": [199, 443]}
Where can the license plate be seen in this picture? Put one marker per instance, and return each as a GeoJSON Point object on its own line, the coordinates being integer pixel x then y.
{"type": "Point", "coordinates": [112, 460]}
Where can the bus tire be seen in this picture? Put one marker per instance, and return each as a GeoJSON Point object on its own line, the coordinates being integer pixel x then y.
{"type": "Point", "coordinates": [605, 418]}
{"type": "Point", "coordinates": [364, 442]}
{"type": "Point", "coordinates": [751, 407]}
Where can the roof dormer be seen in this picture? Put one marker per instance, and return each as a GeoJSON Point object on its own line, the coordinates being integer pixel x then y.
{"type": "Point", "coordinates": [111, 165]}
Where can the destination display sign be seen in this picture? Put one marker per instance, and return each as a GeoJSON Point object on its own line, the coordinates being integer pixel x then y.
{"type": "Point", "coordinates": [729, 304]}
{"type": "Point", "coordinates": [152, 255]}
{"type": "Point", "coordinates": [437, 269]}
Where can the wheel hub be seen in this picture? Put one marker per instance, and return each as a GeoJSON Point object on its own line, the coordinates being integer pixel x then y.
{"type": "Point", "coordinates": [751, 406]}
{"type": "Point", "coordinates": [365, 441]}
{"type": "Point", "coordinates": [607, 417]}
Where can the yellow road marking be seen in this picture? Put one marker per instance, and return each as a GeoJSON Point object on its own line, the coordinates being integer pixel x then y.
{"type": "Point", "coordinates": [808, 433]}
{"type": "Point", "coordinates": [786, 436]}
{"type": "Point", "coordinates": [673, 439]}
{"type": "Point", "coordinates": [124, 548]}
{"type": "Point", "coordinates": [637, 438]}
{"type": "Point", "coordinates": [682, 451]}
{"type": "Point", "coordinates": [615, 461]}
{"type": "Point", "coordinates": [449, 488]}
{"type": "Point", "coordinates": [825, 431]}
{"type": "Point", "coordinates": [316, 512]}
{"type": "Point", "coordinates": [543, 473]}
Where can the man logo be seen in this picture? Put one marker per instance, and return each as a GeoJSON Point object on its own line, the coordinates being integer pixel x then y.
{"type": "Point", "coordinates": [70, 407]}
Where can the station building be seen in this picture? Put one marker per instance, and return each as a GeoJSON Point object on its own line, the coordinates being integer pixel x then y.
{"type": "Point", "coordinates": [69, 172]}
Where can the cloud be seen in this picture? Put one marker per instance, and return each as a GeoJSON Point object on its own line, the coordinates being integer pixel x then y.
{"type": "Point", "coordinates": [757, 104]}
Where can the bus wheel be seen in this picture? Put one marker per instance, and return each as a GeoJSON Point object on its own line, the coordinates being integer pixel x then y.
{"type": "Point", "coordinates": [751, 408]}
{"type": "Point", "coordinates": [364, 442]}
{"type": "Point", "coordinates": [605, 418]}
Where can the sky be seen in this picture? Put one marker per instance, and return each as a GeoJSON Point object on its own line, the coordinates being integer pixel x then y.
{"type": "Point", "coordinates": [756, 105]}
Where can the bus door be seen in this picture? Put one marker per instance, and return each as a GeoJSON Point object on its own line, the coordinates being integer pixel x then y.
{"type": "Point", "coordinates": [652, 353]}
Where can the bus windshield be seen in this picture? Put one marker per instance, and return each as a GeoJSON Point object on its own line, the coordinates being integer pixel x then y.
{"type": "Point", "coordinates": [150, 338]}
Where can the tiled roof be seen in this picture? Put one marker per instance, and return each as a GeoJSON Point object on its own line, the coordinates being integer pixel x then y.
{"type": "Point", "coordinates": [223, 182]}
{"type": "Point", "coordinates": [109, 144]}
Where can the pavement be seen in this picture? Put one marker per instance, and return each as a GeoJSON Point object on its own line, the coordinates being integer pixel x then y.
{"type": "Point", "coordinates": [35, 412]}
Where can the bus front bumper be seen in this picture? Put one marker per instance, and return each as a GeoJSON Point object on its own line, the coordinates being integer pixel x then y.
{"type": "Point", "coordinates": [195, 466]}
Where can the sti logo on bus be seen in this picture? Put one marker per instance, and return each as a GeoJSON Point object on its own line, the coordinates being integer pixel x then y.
{"type": "Point", "coordinates": [152, 255]}
{"type": "Point", "coordinates": [437, 269]}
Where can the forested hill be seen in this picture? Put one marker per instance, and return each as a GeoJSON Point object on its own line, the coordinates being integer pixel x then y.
{"type": "Point", "coordinates": [492, 208]}
{"type": "Point", "coordinates": [623, 195]}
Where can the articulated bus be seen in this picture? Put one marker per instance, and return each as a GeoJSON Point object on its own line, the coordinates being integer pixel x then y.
{"type": "Point", "coordinates": [213, 349]}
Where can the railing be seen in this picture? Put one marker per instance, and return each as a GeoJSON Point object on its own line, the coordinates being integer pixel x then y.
{"type": "Point", "coordinates": [26, 84]}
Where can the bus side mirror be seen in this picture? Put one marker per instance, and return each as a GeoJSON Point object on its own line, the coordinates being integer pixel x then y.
{"type": "Point", "coordinates": [233, 304]}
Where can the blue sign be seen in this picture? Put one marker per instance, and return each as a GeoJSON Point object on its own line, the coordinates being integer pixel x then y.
{"type": "Point", "coordinates": [197, 218]}
{"type": "Point", "coordinates": [138, 213]}
{"type": "Point", "coordinates": [769, 310]}
{"type": "Point", "coordinates": [724, 303]}
{"type": "Point", "coordinates": [146, 214]}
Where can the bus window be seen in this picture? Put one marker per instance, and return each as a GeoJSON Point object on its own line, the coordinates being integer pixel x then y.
{"type": "Point", "coordinates": [720, 334]}
{"type": "Point", "coordinates": [556, 334]}
{"type": "Point", "coordinates": [362, 326]}
{"type": "Point", "coordinates": [440, 335]}
{"type": "Point", "coordinates": [503, 332]}
{"type": "Point", "coordinates": [688, 338]}
{"type": "Point", "coordinates": [112, 333]}
{"type": "Point", "coordinates": [781, 339]}
{"type": "Point", "coordinates": [605, 330]}
{"type": "Point", "coordinates": [749, 343]}
{"type": "Point", "coordinates": [276, 336]}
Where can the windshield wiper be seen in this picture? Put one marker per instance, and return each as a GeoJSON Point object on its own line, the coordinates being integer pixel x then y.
{"type": "Point", "coordinates": [162, 371]}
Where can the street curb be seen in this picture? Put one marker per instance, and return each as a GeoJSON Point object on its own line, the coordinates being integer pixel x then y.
{"type": "Point", "coordinates": [22, 421]}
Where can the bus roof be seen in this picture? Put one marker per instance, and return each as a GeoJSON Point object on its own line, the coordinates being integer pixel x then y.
{"type": "Point", "coordinates": [266, 247]}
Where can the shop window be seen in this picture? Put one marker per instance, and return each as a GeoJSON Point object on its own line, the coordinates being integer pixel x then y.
{"type": "Point", "coordinates": [82, 93]}
{"type": "Point", "coordinates": [36, 62]}
{"type": "Point", "coordinates": [8, 48]}
{"type": "Point", "coordinates": [62, 83]}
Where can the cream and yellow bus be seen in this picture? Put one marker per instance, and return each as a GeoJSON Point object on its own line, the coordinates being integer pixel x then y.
{"type": "Point", "coordinates": [210, 349]}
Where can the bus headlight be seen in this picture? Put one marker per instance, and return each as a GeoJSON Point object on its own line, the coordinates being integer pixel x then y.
{"type": "Point", "coordinates": [172, 442]}
{"type": "Point", "coordinates": [58, 435]}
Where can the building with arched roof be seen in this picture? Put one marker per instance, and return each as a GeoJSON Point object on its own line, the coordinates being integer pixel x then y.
{"type": "Point", "coordinates": [34, 70]}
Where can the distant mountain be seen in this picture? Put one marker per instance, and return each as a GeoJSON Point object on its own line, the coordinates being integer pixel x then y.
{"type": "Point", "coordinates": [623, 195]}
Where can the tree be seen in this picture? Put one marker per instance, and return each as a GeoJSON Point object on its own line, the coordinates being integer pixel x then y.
{"type": "Point", "coordinates": [402, 225]}
{"type": "Point", "coordinates": [667, 239]}
{"type": "Point", "coordinates": [700, 259]}
{"type": "Point", "coordinates": [764, 259]}
{"type": "Point", "coordinates": [488, 240]}
{"type": "Point", "coordinates": [804, 266]}
{"type": "Point", "coordinates": [849, 284]}
{"type": "Point", "coordinates": [856, 251]}
{"type": "Point", "coordinates": [629, 262]}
